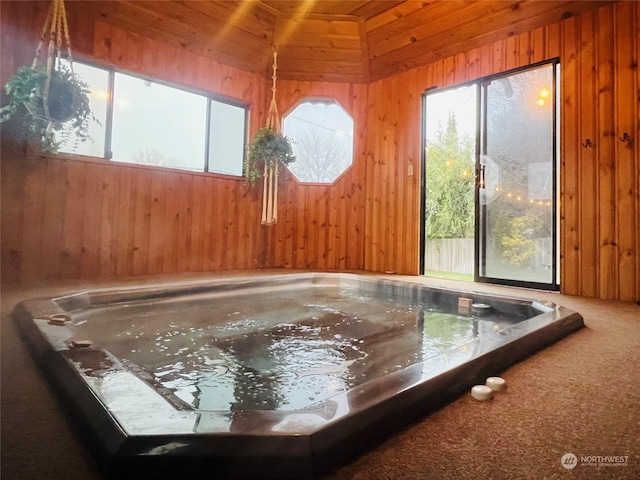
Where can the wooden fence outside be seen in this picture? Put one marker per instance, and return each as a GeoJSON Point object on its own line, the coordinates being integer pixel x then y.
{"type": "Point", "coordinates": [455, 255]}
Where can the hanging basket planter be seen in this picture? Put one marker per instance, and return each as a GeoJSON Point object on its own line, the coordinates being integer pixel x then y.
{"type": "Point", "coordinates": [68, 96]}
{"type": "Point", "coordinates": [66, 109]}
{"type": "Point", "coordinates": [67, 99]}
{"type": "Point", "coordinates": [268, 148]}
{"type": "Point", "coordinates": [55, 99]}
{"type": "Point", "coordinates": [264, 155]}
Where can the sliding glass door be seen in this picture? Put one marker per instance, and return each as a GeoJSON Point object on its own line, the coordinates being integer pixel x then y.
{"type": "Point", "coordinates": [490, 154]}
{"type": "Point", "coordinates": [516, 187]}
{"type": "Point", "coordinates": [449, 187]}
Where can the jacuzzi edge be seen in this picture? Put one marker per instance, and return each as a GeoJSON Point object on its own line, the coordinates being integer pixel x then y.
{"type": "Point", "coordinates": [71, 301]}
{"type": "Point", "coordinates": [328, 446]}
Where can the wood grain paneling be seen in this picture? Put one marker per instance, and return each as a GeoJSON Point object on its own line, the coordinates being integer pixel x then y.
{"type": "Point", "coordinates": [65, 216]}
{"type": "Point", "coordinates": [320, 226]}
{"type": "Point", "coordinates": [437, 30]}
{"type": "Point", "coordinates": [606, 185]}
{"type": "Point", "coordinates": [328, 49]}
{"type": "Point", "coordinates": [206, 29]}
{"type": "Point", "coordinates": [570, 159]}
{"type": "Point", "coordinates": [600, 208]}
{"type": "Point", "coordinates": [360, 8]}
{"type": "Point", "coordinates": [626, 201]}
{"type": "Point", "coordinates": [326, 40]}
{"type": "Point", "coordinates": [587, 170]}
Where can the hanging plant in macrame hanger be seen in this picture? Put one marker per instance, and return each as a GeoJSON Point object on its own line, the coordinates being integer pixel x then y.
{"type": "Point", "coordinates": [50, 96]}
{"type": "Point", "coordinates": [268, 150]}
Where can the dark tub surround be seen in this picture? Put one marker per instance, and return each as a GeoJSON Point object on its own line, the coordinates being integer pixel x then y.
{"type": "Point", "coordinates": [270, 376]}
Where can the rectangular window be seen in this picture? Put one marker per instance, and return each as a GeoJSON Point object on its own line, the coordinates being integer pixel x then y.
{"type": "Point", "coordinates": [98, 81]}
{"type": "Point", "coordinates": [150, 123]}
{"type": "Point", "coordinates": [226, 138]}
{"type": "Point", "coordinates": [157, 125]}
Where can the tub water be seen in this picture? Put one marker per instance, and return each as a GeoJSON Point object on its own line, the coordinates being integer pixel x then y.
{"type": "Point", "coordinates": [271, 376]}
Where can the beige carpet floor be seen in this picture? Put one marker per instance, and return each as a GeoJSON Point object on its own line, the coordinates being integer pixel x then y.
{"type": "Point", "coordinates": [580, 396]}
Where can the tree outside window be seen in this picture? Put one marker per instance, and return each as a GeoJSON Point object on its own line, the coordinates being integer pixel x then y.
{"type": "Point", "coordinates": [322, 135]}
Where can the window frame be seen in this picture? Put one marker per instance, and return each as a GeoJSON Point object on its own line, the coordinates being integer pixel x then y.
{"type": "Point", "coordinates": [209, 97]}
{"type": "Point", "coordinates": [324, 100]}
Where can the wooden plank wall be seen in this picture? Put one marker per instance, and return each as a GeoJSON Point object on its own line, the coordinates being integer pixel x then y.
{"type": "Point", "coordinates": [63, 217]}
{"type": "Point", "coordinates": [600, 205]}
{"type": "Point", "coordinates": [394, 137]}
{"type": "Point", "coordinates": [85, 219]}
{"type": "Point", "coordinates": [321, 226]}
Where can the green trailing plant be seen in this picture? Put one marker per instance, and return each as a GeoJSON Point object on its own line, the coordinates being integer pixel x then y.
{"type": "Point", "coordinates": [520, 247]}
{"type": "Point", "coordinates": [449, 208]}
{"type": "Point", "coordinates": [67, 111]}
{"type": "Point", "coordinates": [268, 148]}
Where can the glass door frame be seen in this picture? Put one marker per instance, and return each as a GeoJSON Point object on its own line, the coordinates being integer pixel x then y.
{"type": "Point", "coordinates": [554, 285]}
{"type": "Point", "coordinates": [423, 162]}
{"type": "Point", "coordinates": [480, 246]}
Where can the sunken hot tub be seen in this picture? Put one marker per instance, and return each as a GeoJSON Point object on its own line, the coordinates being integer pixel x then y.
{"type": "Point", "coordinates": [270, 376]}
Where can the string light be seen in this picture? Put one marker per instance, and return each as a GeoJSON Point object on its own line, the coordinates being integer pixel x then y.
{"type": "Point", "coordinates": [543, 94]}
{"type": "Point", "coordinates": [511, 195]}
{"type": "Point", "coordinates": [519, 198]}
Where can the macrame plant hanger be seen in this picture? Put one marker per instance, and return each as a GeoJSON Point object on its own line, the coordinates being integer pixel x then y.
{"type": "Point", "coordinates": [270, 177]}
{"type": "Point", "coordinates": [56, 25]}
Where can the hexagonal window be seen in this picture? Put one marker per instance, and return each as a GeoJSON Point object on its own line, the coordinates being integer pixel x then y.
{"type": "Point", "coordinates": [322, 134]}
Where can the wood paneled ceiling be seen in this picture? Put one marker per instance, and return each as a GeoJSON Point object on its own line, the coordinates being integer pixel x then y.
{"type": "Point", "coordinates": [342, 41]}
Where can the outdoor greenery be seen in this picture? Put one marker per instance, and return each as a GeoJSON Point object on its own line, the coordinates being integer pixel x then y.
{"type": "Point", "coordinates": [67, 110]}
{"type": "Point", "coordinates": [516, 232]}
{"type": "Point", "coordinates": [519, 243]}
{"type": "Point", "coordinates": [450, 184]}
{"type": "Point", "coordinates": [521, 139]}
{"type": "Point", "coordinates": [519, 183]}
{"type": "Point", "coordinates": [268, 147]}
{"type": "Point", "coordinates": [467, 277]}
